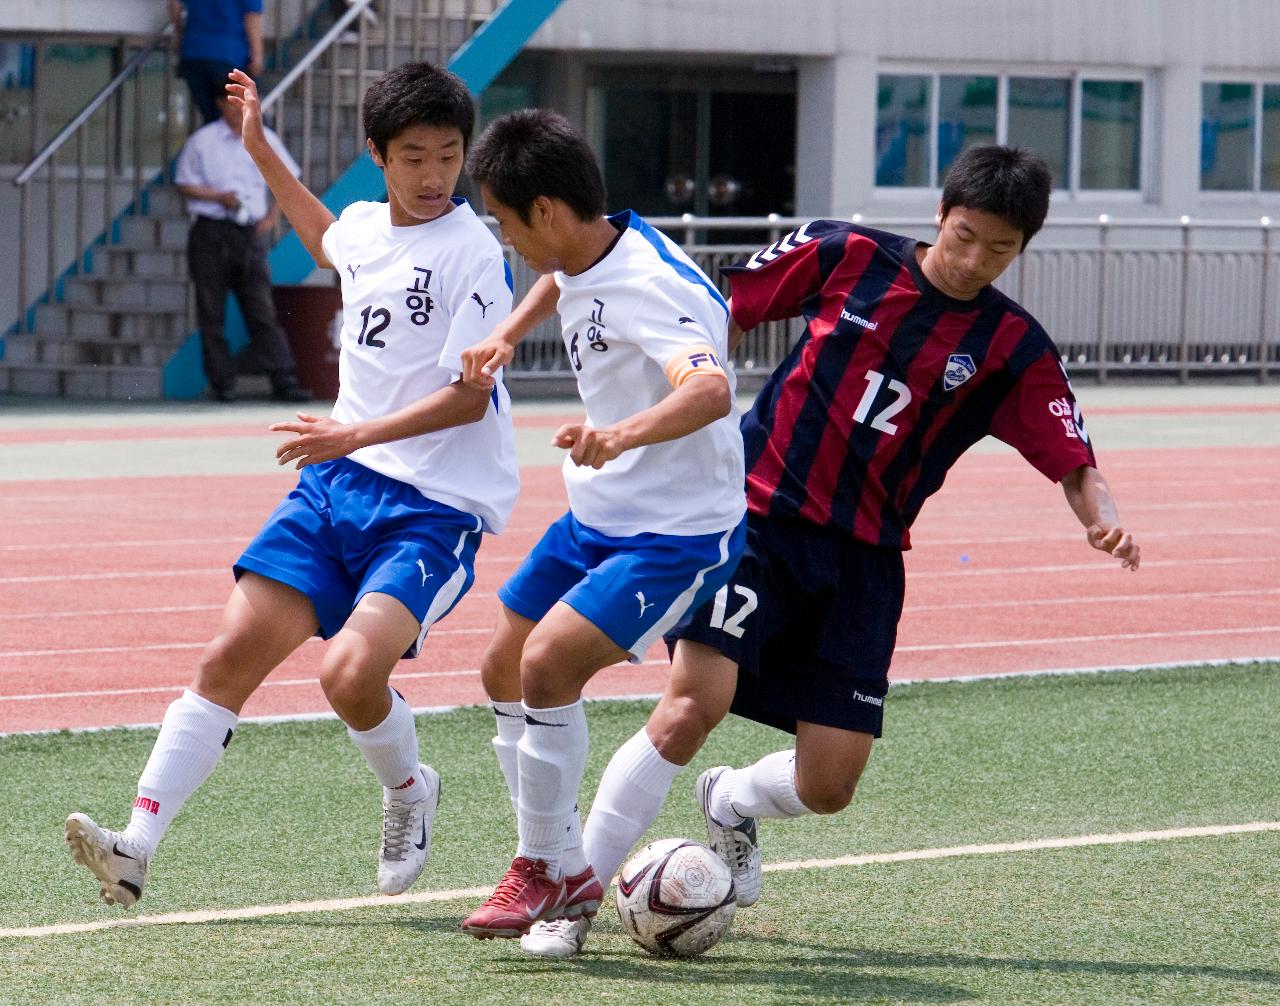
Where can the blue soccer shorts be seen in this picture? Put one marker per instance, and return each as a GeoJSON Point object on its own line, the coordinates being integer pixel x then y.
{"type": "Point", "coordinates": [811, 618]}
{"type": "Point", "coordinates": [345, 531]}
{"type": "Point", "coordinates": [633, 589]}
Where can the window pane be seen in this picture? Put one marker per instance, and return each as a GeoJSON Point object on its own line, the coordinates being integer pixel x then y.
{"type": "Point", "coordinates": [1040, 119]}
{"type": "Point", "coordinates": [1226, 137]}
{"type": "Point", "coordinates": [1271, 137]}
{"type": "Point", "coordinates": [966, 116]}
{"type": "Point", "coordinates": [902, 130]}
{"type": "Point", "coordinates": [1110, 134]}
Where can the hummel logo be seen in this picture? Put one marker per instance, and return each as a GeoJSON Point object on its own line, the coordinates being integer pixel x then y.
{"type": "Point", "coordinates": [115, 848]}
{"type": "Point", "coordinates": [685, 320]}
{"type": "Point", "coordinates": [870, 326]}
{"type": "Point", "coordinates": [425, 575]}
{"type": "Point", "coordinates": [420, 845]}
{"type": "Point", "coordinates": [483, 306]}
{"type": "Point", "coordinates": [643, 607]}
{"type": "Point", "coordinates": [871, 700]}
{"type": "Point", "coordinates": [352, 269]}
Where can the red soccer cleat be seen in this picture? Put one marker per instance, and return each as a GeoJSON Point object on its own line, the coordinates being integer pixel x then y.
{"type": "Point", "coordinates": [525, 895]}
{"type": "Point", "coordinates": [583, 894]}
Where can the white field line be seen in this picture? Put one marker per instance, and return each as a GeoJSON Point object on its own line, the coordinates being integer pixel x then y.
{"type": "Point", "coordinates": [872, 859]}
{"type": "Point", "coordinates": [1097, 565]}
{"type": "Point", "coordinates": [1161, 597]}
{"type": "Point", "coordinates": [972, 540]}
{"type": "Point", "coordinates": [644, 696]}
{"type": "Point", "coordinates": [993, 644]}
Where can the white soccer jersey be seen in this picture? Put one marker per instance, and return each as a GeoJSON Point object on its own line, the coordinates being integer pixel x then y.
{"type": "Point", "coordinates": [644, 306]}
{"type": "Point", "coordinates": [412, 299]}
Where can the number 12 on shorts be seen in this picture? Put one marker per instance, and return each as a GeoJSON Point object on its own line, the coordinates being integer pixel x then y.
{"type": "Point", "coordinates": [733, 625]}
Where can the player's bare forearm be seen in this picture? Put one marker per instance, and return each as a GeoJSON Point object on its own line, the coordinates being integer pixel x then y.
{"type": "Point", "coordinates": [483, 360]}
{"type": "Point", "coordinates": [308, 215]}
{"type": "Point", "coordinates": [1090, 499]}
{"type": "Point", "coordinates": [253, 32]}
{"type": "Point", "coordinates": [735, 330]}
{"type": "Point", "coordinates": [317, 439]}
{"type": "Point", "coordinates": [698, 402]}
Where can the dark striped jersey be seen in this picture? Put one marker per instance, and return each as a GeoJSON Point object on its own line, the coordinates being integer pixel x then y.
{"type": "Point", "coordinates": [890, 383]}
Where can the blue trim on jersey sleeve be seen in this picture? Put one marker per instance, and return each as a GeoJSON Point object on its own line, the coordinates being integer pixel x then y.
{"type": "Point", "coordinates": [633, 220]}
{"type": "Point", "coordinates": [506, 273]}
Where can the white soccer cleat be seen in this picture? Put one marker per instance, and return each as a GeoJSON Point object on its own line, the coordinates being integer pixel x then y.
{"type": "Point", "coordinates": [118, 863]}
{"type": "Point", "coordinates": [560, 937]}
{"type": "Point", "coordinates": [406, 837]}
{"type": "Point", "coordinates": [735, 844]}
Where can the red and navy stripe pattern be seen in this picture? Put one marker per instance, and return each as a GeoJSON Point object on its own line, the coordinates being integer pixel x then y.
{"type": "Point", "coordinates": [891, 382]}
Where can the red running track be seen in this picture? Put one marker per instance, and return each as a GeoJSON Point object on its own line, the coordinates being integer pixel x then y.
{"type": "Point", "coordinates": [109, 588]}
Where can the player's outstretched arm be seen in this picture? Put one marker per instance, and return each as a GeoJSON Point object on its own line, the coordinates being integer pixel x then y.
{"type": "Point", "coordinates": [736, 331]}
{"type": "Point", "coordinates": [696, 403]}
{"type": "Point", "coordinates": [309, 216]}
{"type": "Point", "coordinates": [320, 438]}
{"type": "Point", "coordinates": [1090, 499]}
{"type": "Point", "coordinates": [481, 361]}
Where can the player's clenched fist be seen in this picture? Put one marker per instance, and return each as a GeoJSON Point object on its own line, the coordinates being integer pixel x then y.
{"type": "Point", "coordinates": [587, 446]}
{"type": "Point", "coordinates": [481, 361]}
{"type": "Point", "coordinates": [1116, 541]}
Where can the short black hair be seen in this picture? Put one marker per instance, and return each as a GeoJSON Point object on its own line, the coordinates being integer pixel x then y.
{"type": "Point", "coordinates": [536, 152]}
{"type": "Point", "coordinates": [1010, 182]}
{"type": "Point", "coordinates": [413, 94]}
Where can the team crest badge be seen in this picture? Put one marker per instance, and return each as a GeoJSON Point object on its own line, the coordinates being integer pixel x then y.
{"type": "Point", "coordinates": [960, 368]}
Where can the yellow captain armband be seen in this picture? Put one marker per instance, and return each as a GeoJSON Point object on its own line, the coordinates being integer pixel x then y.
{"type": "Point", "coordinates": [693, 362]}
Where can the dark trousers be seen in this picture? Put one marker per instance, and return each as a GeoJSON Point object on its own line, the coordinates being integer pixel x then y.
{"type": "Point", "coordinates": [223, 258]}
{"type": "Point", "coordinates": [202, 76]}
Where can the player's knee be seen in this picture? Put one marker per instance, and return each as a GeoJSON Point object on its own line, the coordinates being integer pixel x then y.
{"type": "Point", "coordinates": [345, 679]}
{"type": "Point", "coordinates": [218, 667]}
{"type": "Point", "coordinates": [540, 674]}
{"type": "Point", "coordinates": [500, 675]}
{"type": "Point", "coordinates": [826, 795]}
{"type": "Point", "coordinates": [679, 726]}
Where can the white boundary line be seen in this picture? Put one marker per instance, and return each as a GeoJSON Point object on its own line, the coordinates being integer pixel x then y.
{"type": "Point", "coordinates": [643, 696]}
{"type": "Point", "coordinates": [380, 901]}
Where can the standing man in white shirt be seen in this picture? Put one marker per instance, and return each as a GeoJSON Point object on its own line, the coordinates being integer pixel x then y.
{"type": "Point", "coordinates": [227, 251]}
{"type": "Point", "coordinates": [654, 478]}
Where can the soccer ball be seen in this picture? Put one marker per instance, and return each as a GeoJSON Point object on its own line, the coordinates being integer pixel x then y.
{"type": "Point", "coordinates": [676, 898]}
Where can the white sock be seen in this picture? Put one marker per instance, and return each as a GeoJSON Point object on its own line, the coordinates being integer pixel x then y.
{"type": "Point", "coordinates": [632, 791]}
{"type": "Point", "coordinates": [552, 757]}
{"type": "Point", "coordinates": [765, 789]}
{"type": "Point", "coordinates": [192, 737]}
{"type": "Point", "coordinates": [510, 717]}
{"type": "Point", "coordinates": [391, 750]}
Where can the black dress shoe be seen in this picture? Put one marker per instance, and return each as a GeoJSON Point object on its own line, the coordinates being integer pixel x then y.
{"type": "Point", "coordinates": [291, 394]}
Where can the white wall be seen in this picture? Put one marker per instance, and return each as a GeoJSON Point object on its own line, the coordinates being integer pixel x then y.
{"type": "Point", "coordinates": [840, 45]}
{"type": "Point", "coordinates": [116, 17]}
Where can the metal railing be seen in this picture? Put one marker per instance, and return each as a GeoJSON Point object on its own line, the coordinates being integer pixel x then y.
{"type": "Point", "coordinates": [117, 111]}
{"type": "Point", "coordinates": [1170, 298]}
{"type": "Point", "coordinates": [315, 108]}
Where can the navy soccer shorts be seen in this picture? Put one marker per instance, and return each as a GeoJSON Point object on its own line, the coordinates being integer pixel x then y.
{"type": "Point", "coordinates": [811, 618]}
{"type": "Point", "coordinates": [345, 531]}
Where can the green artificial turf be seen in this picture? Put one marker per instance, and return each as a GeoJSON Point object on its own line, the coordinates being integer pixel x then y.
{"type": "Point", "coordinates": [293, 814]}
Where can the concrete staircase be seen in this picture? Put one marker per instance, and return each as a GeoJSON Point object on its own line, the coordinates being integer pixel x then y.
{"type": "Point", "coordinates": [111, 328]}
{"type": "Point", "coordinates": [118, 322]}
